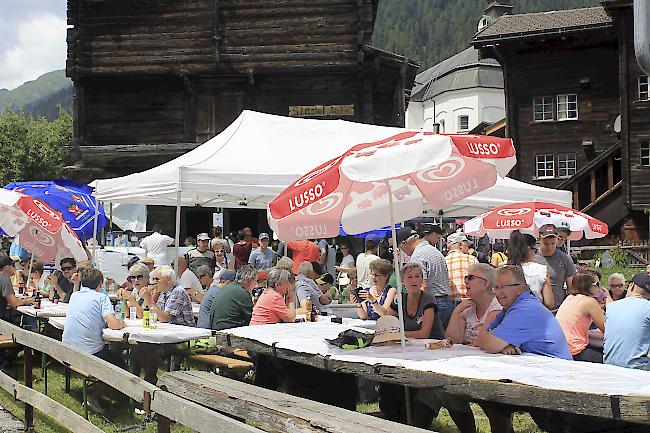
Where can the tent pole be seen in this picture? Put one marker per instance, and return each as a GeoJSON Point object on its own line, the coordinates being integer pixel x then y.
{"type": "Point", "coordinates": [96, 246]}
{"type": "Point", "coordinates": [400, 308]}
{"type": "Point", "coordinates": [177, 237]}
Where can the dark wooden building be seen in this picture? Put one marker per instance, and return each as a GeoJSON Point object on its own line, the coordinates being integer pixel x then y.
{"type": "Point", "coordinates": [577, 107]}
{"type": "Point", "coordinates": [154, 78]}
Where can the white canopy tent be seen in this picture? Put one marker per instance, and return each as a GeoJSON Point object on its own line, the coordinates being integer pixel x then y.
{"type": "Point", "coordinates": [259, 155]}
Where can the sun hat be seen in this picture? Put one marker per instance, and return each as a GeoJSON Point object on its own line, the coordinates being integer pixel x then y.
{"type": "Point", "coordinates": [456, 238]}
{"type": "Point", "coordinates": [325, 279]}
{"type": "Point", "coordinates": [202, 237]}
{"type": "Point", "coordinates": [386, 330]}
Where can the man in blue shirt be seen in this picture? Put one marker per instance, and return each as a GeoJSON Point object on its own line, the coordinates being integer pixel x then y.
{"type": "Point", "coordinates": [627, 327]}
{"type": "Point", "coordinates": [262, 258]}
{"type": "Point", "coordinates": [524, 325]}
{"type": "Point", "coordinates": [89, 311]}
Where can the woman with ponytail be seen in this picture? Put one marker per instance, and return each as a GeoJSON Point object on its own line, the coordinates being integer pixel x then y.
{"type": "Point", "coordinates": [521, 251]}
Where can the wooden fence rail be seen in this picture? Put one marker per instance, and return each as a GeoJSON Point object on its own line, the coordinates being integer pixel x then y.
{"type": "Point", "coordinates": [167, 406]}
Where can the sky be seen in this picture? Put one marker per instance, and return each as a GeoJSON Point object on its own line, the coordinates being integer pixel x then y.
{"type": "Point", "coordinates": [32, 39]}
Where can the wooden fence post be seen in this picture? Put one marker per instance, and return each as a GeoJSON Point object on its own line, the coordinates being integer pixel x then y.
{"type": "Point", "coordinates": [163, 424]}
{"type": "Point", "coordinates": [27, 374]}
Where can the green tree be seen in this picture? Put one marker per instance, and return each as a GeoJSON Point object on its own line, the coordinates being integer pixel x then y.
{"type": "Point", "coordinates": [33, 149]}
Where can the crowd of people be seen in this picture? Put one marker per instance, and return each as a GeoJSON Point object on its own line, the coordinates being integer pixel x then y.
{"type": "Point", "coordinates": [521, 296]}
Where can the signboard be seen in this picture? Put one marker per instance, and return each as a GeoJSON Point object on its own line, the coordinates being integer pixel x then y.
{"type": "Point", "coordinates": [321, 110]}
{"type": "Point", "coordinates": [217, 219]}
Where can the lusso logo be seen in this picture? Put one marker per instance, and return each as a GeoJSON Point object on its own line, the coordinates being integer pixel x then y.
{"type": "Point", "coordinates": [514, 212]}
{"type": "Point", "coordinates": [309, 176]}
{"type": "Point", "coordinates": [308, 196]}
{"type": "Point", "coordinates": [483, 149]}
{"type": "Point", "coordinates": [444, 171]}
{"type": "Point", "coordinates": [325, 205]}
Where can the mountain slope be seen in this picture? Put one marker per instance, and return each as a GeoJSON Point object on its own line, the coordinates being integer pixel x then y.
{"type": "Point", "coordinates": [32, 91]}
{"type": "Point", "coordinates": [433, 30]}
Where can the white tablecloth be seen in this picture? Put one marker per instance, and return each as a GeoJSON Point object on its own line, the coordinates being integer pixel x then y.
{"type": "Point", "coordinates": [48, 309]}
{"type": "Point", "coordinates": [460, 361]}
{"type": "Point", "coordinates": [164, 333]}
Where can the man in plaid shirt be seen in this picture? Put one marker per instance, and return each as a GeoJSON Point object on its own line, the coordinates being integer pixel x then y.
{"type": "Point", "coordinates": [458, 264]}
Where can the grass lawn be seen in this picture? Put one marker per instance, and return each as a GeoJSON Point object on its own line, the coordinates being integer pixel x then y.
{"type": "Point", "coordinates": [120, 417]}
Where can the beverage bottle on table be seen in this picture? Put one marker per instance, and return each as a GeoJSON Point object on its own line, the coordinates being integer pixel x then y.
{"type": "Point", "coordinates": [37, 301]}
{"type": "Point", "coordinates": [314, 313]}
{"type": "Point", "coordinates": [154, 319]}
{"type": "Point", "coordinates": [55, 297]}
{"type": "Point", "coordinates": [308, 309]}
{"type": "Point", "coordinates": [146, 318]}
{"type": "Point", "coordinates": [123, 310]}
{"type": "Point", "coordinates": [21, 288]}
{"type": "Point", "coordinates": [118, 312]}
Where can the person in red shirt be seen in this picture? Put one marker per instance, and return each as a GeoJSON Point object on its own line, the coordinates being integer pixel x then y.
{"type": "Point", "coordinates": [278, 301]}
{"type": "Point", "coordinates": [303, 251]}
{"type": "Point", "coordinates": [242, 250]}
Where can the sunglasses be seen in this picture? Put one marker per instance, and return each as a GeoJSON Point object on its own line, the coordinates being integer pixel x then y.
{"type": "Point", "coordinates": [596, 284]}
{"type": "Point", "coordinates": [470, 277]}
{"type": "Point", "coordinates": [135, 277]}
{"type": "Point", "coordinates": [67, 268]}
{"type": "Point", "coordinates": [503, 286]}
{"type": "Point", "coordinates": [617, 285]}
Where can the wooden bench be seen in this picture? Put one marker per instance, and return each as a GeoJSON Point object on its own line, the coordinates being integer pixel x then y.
{"type": "Point", "coordinates": [68, 369]}
{"type": "Point", "coordinates": [272, 410]}
{"type": "Point", "coordinates": [223, 364]}
{"type": "Point", "coordinates": [7, 342]}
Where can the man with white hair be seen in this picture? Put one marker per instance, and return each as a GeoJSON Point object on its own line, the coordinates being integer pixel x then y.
{"type": "Point", "coordinates": [307, 287]}
{"type": "Point", "coordinates": [616, 286]}
{"type": "Point", "coordinates": [173, 305]}
{"type": "Point", "coordinates": [458, 263]}
{"type": "Point", "coordinates": [233, 305]}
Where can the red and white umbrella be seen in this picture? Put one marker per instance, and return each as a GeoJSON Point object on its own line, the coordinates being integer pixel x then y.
{"type": "Point", "coordinates": [372, 185]}
{"type": "Point", "coordinates": [38, 228]}
{"type": "Point", "coordinates": [356, 189]}
{"type": "Point", "coordinates": [527, 217]}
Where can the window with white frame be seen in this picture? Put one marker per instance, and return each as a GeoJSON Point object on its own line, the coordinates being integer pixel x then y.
{"type": "Point", "coordinates": [463, 123]}
{"type": "Point", "coordinates": [645, 153]}
{"type": "Point", "coordinates": [545, 166]}
{"type": "Point", "coordinates": [567, 107]}
{"type": "Point", "coordinates": [566, 164]}
{"type": "Point", "coordinates": [643, 88]}
{"type": "Point", "coordinates": [542, 108]}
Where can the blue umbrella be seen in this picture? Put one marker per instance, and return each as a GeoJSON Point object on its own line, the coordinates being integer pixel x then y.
{"type": "Point", "coordinates": [382, 232]}
{"type": "Point", "coordinates": [74, 201]}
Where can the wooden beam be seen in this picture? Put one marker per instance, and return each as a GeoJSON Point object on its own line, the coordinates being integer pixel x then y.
{"type": "Point", "coordinates": [593, 186]}
{"type": "Point", "coordinates": [632, 409]}
{"type": "Point", "coordinates": [272, 410]}
{"type": "Point", "coordinates": [610, 173]}
{"type": "Point", "coordinates": [197, 417]}
{"type": "Point", "coordinates": [46, 405]}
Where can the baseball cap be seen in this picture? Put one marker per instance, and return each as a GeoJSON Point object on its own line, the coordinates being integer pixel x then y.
{"type": "Point", "coordinates": [227, 276]}
{"type": "Point", "coordinates": [431, 228]}
{"type": "Point", "coordinates": [6, 261]}
{"type": "Point", "coordinates": [456, 238]}
{"type": "Point", "coordinates": [202, 237]}
{"type": "Point", "coordinates": [642, 280]}
{"type": "Point", "coordinates": [263, 236]}
{"type": "Point", "coordinates": [132, 261]}
{"type": "Point", "coordinates": [562, 224]}
{"type": "Point", "coordinates": [325, 279]}
{"type": "Point", "coordinates": [373, 238]}
{"type": "Point", "coordinates": [262, 275]}
{"type": "Point", "coordinates": [403, 234]}
{"type": "Point", "coordinates": [547, 230]}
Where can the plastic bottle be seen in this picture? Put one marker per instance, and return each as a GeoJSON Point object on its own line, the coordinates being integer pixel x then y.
{"type": "Point", "coordinates": [308, 309]}
{"type": "Point", "coordinates": [146, 318]}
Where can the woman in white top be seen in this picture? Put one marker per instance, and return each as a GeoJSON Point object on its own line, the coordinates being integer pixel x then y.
{"type": "Point", "coordinates": [347, 260]}
{"type": "Point", "coordinates": [521, 251]}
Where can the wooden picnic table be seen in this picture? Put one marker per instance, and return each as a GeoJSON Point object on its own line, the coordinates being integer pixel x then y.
{"type": "Point", "coordinates": [527, 382]}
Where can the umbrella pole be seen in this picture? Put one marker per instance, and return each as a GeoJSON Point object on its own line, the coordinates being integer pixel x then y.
{"type": "Point", "coordinates": [177, 237]}
{"type": "Point", "coordinates": [95, 233]}
{"type": "Point", "coordinates": [31, 264]}
{"type": "Point", "coordinates": [400, 308]}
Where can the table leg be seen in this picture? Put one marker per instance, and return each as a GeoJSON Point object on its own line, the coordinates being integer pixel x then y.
{"type": "Point", "coordinates": [409, 406]}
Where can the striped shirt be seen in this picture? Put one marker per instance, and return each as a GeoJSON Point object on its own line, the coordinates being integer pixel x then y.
{"type": "Point", "coordinates": [458, 264]}
{"type": "Point", "coordinates": [434, 268]}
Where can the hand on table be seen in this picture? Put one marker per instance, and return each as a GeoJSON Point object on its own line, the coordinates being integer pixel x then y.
{"type": "Point", "coordinates": [511, 350]}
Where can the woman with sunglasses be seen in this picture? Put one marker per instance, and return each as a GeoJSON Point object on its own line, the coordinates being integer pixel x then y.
{"type": "Point", "coordinates": [347, 257]}
{"type": "Point", "coordinates": [521, 251]}
{"type": "Point", "coordinates": [375, 301]}
{"type": "Point", "coordinates": [139, 278]}
{"type": "Point", "coordinates": [598, 292]}
{"type": "Point", "coordinates": [576, 314]}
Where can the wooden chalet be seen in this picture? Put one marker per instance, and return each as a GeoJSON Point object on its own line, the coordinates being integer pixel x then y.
{"type": "Point", "coordinates": [155, 78]}
{"type": "Point", "coordinates": [577, 107]}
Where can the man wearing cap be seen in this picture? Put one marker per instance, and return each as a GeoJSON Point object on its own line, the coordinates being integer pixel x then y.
{"type": "Point", "coordinates": [458, 263]}
{"type": "Point", "coordinates": [262, 257]}
{"type": "Point", "coordinates": [155, 245]}
{"type": "Point", "coordinates": [201, 254]}
{"type": "Point", "coordinates": [434, 268]}
{"type": "Point", "coordinates": [325, 283]}
{"type": "Point", "coordinates": [7, 296]}
{"type": "Point", "coordinates": [627, 327]}
{"type": "Point", "coordinates": [303, 251]}
{"type": "Point", "coordinates": [432, 233]}
{"type": "Point", "coordinates": [225, 278]}
{"type": "Point", "coordinates": [371, 254]}
{"type": "Point", "coordinates": [563, 233]}
{"type": "Point", "coordinates": [560, 266]}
